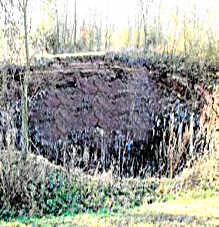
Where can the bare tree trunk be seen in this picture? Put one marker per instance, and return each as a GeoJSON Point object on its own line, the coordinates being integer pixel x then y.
{"type": "Point", "coordinates": [75, 24]}
{"type": "Point", "coordinates": [66, 23]}
{"type": "Point", "coordinates": [159, 27]}
{"type": "Point", "coordinates": [64, 27]}
{"type": "Point", "coordinates": [129, 33]}
{"type": "Point", "coordinates": [138, 32]}
{"type": "Point", "coordinates": [98, 32]}
{"type": "Point", "coordinates": [144, 12]}
{"type": "Point", "coordinates": [173, 50]}
{"type": "Point", "coordinates": [184, 34]}
{"type": "Point", "coordinates": [144, 17]}
{"type": "Point", "coordinates": [25, 87]}
{"type": "Point", "coordinates": [57, 31]}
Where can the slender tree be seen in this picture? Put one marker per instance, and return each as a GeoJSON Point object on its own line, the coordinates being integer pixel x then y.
{"type": "Point", "coordinates": [57, 47]}
{"type": "Point", "coordinates": [138, 31]}
{"type": "Point", "coordinates": [66, 23]}
{"type": "Point", "coordinates": [75, 23]}
{"type": "Point", "coordinates": [23, 6]}
{"type": "Point", "coordinates": [144, 9]}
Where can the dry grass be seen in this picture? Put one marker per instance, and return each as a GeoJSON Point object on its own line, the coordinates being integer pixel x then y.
{"type": "Point", "coordinates": [17, 176]}
{"type": "Point", "coordinates": [191, 200]}
{"type": "Point", "coordinates": [200, 177]}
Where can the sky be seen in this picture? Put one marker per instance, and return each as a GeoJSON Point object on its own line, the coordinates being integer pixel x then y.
{"type": "Point", "coordinates": [119, 12]}
{"type": "Point", "coordinates": [115, 11]}
{"type": "Point", "coordinates": [111, 11]}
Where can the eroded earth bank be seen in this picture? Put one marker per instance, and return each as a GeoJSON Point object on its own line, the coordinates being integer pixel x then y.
{"type": "Point", "coordinates": [99, 113]}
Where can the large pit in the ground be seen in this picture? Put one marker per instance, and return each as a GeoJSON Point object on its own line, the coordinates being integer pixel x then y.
{"type": "Point", "coordinates": [100, 114]}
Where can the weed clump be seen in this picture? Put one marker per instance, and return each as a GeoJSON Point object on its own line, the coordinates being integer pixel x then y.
{"type": "Point", "coordinates": [38, 188]}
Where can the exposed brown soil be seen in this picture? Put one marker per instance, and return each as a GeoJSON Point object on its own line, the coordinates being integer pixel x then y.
{"type": "Point", "coordinates": [88, 95]}
{"type": "Point", "coordinates": [97, 105]}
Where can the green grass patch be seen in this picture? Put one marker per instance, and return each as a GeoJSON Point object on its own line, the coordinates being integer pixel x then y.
{"type": "Point", "coordinates": [195, 207]}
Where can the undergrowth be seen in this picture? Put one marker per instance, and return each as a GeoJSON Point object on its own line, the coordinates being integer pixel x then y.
{"type": "Point", "coordinates": [37, 187]}
{"type": "Point", "coordinates": [40, 188]}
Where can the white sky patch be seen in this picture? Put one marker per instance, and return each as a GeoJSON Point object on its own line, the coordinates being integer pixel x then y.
{"type": "Point", "coordinates": [122, 12]}
{"type": "Point", "coordinates": [114, 12]}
